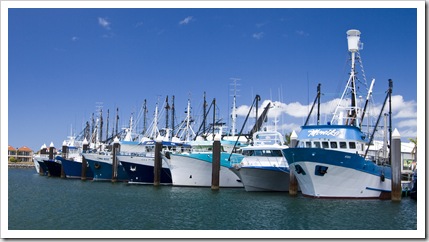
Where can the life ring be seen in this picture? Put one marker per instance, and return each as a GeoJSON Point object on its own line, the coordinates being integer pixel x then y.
{"type": "Point", "coordinates": [133, 168]}
{"type": "Point", "coordinates": [97, 165]}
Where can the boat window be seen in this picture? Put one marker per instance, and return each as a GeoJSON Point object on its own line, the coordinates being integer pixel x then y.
{"type": "Point", "coordinates": [320, 170]}
{"type": "Point", "coordinates": [352, 145]}
{"type": "Point", "coordinates": [343, 145]}
{"type": "Point", "coordinates": [316, 144]}
{"type": "Point", "coordinates": [334, 145]}
{"type": "Point", "coordinates": [277, 153]}
{"type": "Point", "coordinates": [325, 144]}
{"type": "Point", "coordinates": [264, 153]}
{"type": "Point", "coordinates": [308, 144]}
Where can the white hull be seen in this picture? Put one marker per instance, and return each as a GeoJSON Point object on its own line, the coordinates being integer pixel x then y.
{"type": "Point", "coordinates": [339, 182]}
{"type": "Point", "coordinates": [141, 160]}
{"type": "Point", "coordinates": [188, 171]}
{"type": "Point", "coordinates": [99, 157]}
{"type": "Point", "coordinates": [260, 179]}
{"type": "Point", "coordinates": [36, 163]}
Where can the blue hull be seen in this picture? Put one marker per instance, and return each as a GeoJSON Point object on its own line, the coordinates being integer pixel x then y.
{"type": "Point", "coordinates": [103, 171]}
{"type": "Point", "coordinates": [139, 173]}
{"type": "Point", "coordinates": [54, 168]}
{"type": "Point", "coordinates": [43, 167]}
{"type": "Point", "coordinates": [73, 169]}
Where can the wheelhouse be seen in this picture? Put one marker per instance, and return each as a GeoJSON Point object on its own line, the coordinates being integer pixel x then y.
{"type": "Point", "coordinates": [335, 137]}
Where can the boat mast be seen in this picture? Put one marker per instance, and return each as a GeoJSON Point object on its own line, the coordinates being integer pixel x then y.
{"type": "Point", "coordinates": [167, 107]}
{"type": "Point", "coordinates": [117, 121]}
{"type": "Point", "coordinates": [366, 102]}
{"type": "Point", "coordinates": [188, 121]}
{"type": "Point", "coordinates": [144, 117]}
{"type": "Point", "coordinates": [107, 125]}
{"type": "Point", "coordinates": [317, 99]}
{"type": "Point", "coordinates": [172, 116]}
{"type": "Point", "coordinates": [234, 106]}
{"type": "Point", "coordinates": [154, 133]}
{"type": "Point", "coordinates": [353, 37]}
{"type": "Point", "coordinates": [204, 112]}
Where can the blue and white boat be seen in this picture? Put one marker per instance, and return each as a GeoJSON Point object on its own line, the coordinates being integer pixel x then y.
{"type": "Point", "coordinates": [100, 159]}
{"type": "Point", "coordinates": [72, 162]}
{"type": "Point", "coordinates": [140, 166]}
{"type": "Point", "coordinates": [264, 167]}
{"type": "Point", "coordinates": [330, 160]}
{"type": "Point", "coordinates": [100, 163]}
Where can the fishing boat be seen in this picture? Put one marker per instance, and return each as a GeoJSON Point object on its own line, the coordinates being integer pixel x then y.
{"type": "Point", "coordinates": [100, 156]}
{"type": "Point", "coordinates": [38, 158]}
{"type": "Point", "coordinates": [264, 167]}
{"type": "Point", "coordinates": [140, 166]}
{"type": "Point", "coordinates": [330, 160]}
{"type": "Point", "coordinates": [52, 165]}
{"type": "Point", "coordinates": [72, 160]}
{"type": "Point", "coordinates": [100, 163]}
{"type": "Point", "coordinates": [195, 168]}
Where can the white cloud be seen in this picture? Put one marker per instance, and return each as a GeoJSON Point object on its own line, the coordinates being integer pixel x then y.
{"type": "Point", "coordinates": [139, 24]}
{"type": "Point", "coordinates": [407, 123]}
{"type": "Point", "coordinates": [302, 33]}
{"type": "Point", "coordinates": [187, 20]}
{"type": "Point", "coordinates": [104, 23]}
{"type": "Point", "coordinates": [403, 109]}
{"type": "Point", "coordinates": [258, 35]}
{"type": "Point", "coordinates": [259, 25]}
{"type": "Point", "coordinates": [75, 38]}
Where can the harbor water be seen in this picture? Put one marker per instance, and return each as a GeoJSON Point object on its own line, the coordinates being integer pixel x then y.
{"type": "Point", "coordinates": [46, 203]}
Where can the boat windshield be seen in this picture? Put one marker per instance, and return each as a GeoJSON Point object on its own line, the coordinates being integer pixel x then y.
{"type": "Point", "coordinates": [274, 153]}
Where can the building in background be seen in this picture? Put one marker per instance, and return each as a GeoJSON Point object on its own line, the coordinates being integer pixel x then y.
{"type": "Point", "coordinates": [22, 154]}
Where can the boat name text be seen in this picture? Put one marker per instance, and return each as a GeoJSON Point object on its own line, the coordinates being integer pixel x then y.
{"type": "Point", "coordinates": [331, 132]}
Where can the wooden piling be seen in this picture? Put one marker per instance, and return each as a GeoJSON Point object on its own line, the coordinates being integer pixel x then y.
{"type": "Point", "coordinates": [64, 151]}
{"type": "Point", "coordinates": [51, 154]}
{"type": "Point", "coordinates": [51, 151]}
{"type": "Point", "coordinates": [157, 163]}
{"type": "Point", "coordinates": [115, 151]}
{"type": "Point", "coordinates": [216, 163]}
{"type": "Point", "coordinates": [395, 152]}
{"type": "Point", "coordinates": [84, 162]}
{"type": "Point", "coordinates": [293, 183]}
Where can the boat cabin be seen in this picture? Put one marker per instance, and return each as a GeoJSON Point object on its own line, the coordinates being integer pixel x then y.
{"type": "Point", "coordinates": [336, 137]}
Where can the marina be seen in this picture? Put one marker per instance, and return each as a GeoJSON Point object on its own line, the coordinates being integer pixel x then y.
{"type": "Point", "coordinates": [288, 168]}
{"type": "Point", "coordinates": [323, 161]}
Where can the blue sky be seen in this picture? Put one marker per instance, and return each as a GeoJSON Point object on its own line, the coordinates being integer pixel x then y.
{"type": "Point", "coordinates": [63, 62]}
